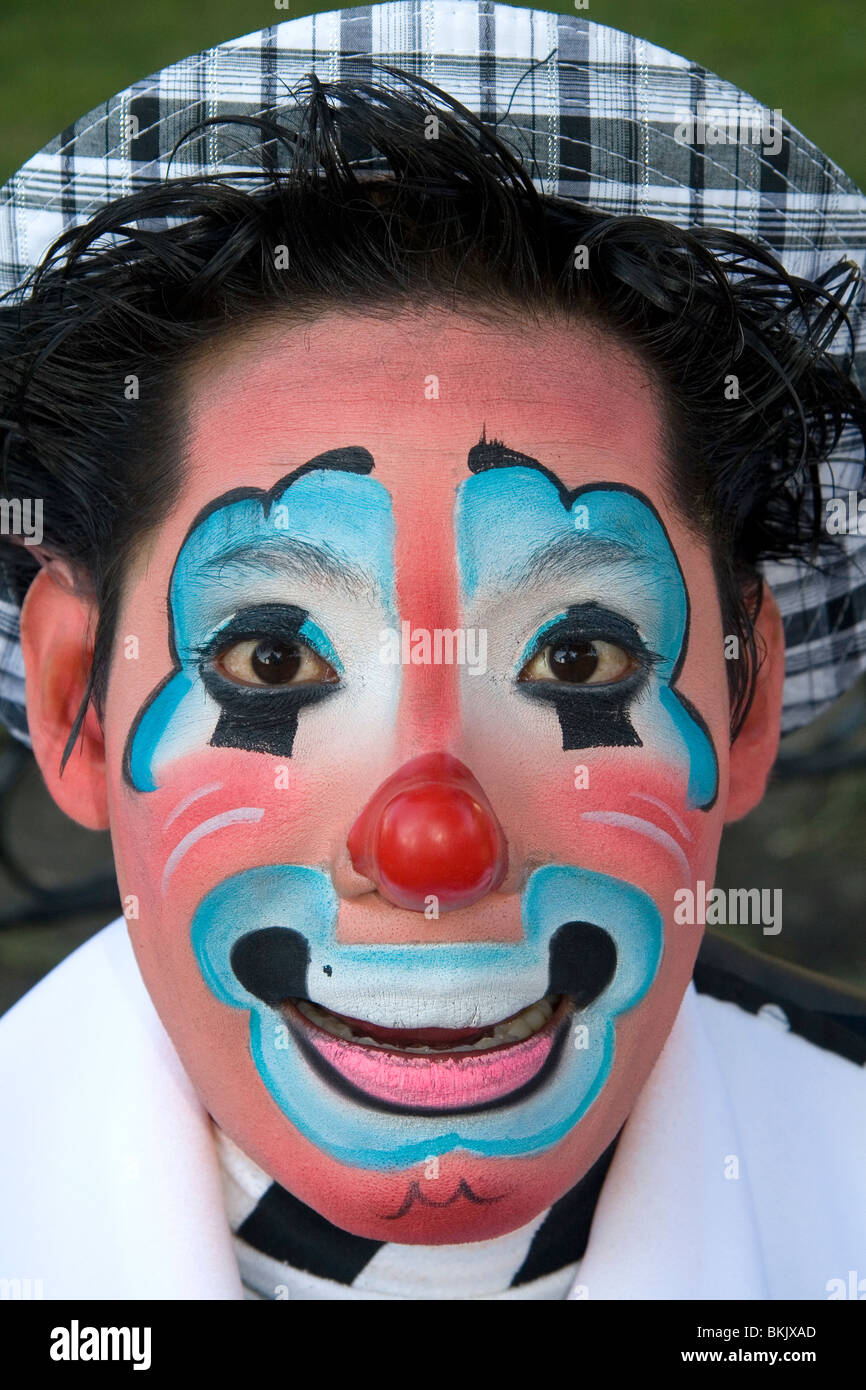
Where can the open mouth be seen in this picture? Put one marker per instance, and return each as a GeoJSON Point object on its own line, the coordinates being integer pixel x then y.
{"type": "Point", "coordinates": [438, 1069]}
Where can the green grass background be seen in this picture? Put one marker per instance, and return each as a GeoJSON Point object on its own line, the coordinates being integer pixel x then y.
{"type": "Point", "coordinates": [806, 56]}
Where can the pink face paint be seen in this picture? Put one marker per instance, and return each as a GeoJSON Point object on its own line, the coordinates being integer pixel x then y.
{"type": "Point", "coordinates": [238, 814]}
{"type": "Point", "coordinates": [188, 801]}
{"type": "Point", "coordinates": [587, 410]}
{"type": "Point", "coordinates": [429, 716]}
{"type": "Point", "coordinates": [666, 810]}
{"type": "Point", "coordinates": [639, 826]}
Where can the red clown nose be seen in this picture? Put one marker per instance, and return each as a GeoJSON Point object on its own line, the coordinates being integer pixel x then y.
{"type": "Point", "coordinates": [429, 831]}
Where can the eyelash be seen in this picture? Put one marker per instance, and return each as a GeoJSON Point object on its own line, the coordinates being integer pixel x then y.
{"type": "Point", "coordinates": [272, 622]}
{"type": "Point", "coordinates": [209, 650]}
{"type": "Point", "coordinates": [646, 659]}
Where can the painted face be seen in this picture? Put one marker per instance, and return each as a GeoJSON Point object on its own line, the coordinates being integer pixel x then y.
{"type": "Point", "coordinates": [417, 746]}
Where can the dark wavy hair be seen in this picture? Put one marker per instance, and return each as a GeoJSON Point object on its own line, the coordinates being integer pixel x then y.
{"type": "Point", "coordinates": [452, 220]}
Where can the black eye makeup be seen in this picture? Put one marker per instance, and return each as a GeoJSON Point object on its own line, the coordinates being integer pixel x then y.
{"type": "Point", "coordinates": [590, 664]}
{"type": "Point", "coordinates": [262, 668]}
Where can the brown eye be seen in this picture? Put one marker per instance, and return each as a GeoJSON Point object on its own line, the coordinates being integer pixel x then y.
{"type": "Point", "coordinates": [274, 661]}
{"type": "Point", "coordinates": [579, 663]}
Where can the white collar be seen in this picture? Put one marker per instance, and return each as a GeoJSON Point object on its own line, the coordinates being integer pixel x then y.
{"type": "Point", "coordinates": [672, 1222]}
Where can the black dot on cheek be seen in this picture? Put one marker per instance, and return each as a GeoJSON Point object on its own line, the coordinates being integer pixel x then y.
{"type": "Point", "coordinates": [327, 969]}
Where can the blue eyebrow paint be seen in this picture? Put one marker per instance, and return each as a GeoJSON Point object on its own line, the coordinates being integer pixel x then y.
{"type": "Point", "coordinates": [330, 502]}
{"type": "Point", "coordinates": [509, 509]}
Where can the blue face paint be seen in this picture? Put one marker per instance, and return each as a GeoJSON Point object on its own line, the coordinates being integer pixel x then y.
{"type": "Point", "coordinates": [371, 981]}
{"type": "Point", "coordinates": [313, 634]}
{"type": "Point", "coordinates": [328, 510]}
{"type": "Point", "coordinates": [624, 562]}
{"type": "Point", "coordinates": [503, 516]}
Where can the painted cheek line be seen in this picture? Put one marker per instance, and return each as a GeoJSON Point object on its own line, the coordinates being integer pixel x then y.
{"type": "Point", "coordinates": [663, 806]}
{"type": "Point", "coordinates": [240, 813]}
{"type": "Point", "coordinates": [643, 827]}
{"type": "Point", "coordinates": [188, 801]}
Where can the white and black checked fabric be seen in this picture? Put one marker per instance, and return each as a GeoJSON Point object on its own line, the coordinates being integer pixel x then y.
{"type": "Point", "coordinates": [595, 114]}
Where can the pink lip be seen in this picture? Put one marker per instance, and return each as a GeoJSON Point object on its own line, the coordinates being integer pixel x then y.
{"type": "Point", "coordinates": [433, 1081]}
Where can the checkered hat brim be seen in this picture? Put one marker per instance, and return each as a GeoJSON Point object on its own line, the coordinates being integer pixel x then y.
{"type": "Point", "coordinates": [595, 115]}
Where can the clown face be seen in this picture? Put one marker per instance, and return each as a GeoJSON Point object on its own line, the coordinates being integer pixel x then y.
{"type": "Point", "coordinates": [419, 746]}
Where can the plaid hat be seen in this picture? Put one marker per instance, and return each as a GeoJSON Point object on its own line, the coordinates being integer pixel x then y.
{"type": "Point", "coordinates": [594, 114]}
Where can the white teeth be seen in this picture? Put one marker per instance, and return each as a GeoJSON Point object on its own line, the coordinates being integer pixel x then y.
{"type": "Point", "coordinates": [326, 1020]}
{"type": "Point", "coordinates": [530, 1020]}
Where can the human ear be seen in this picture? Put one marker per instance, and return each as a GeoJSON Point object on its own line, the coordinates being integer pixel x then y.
{"type": "Point", "coordinates": [754, 750]}
{"type": "Point", "coordinates": [56, 623]}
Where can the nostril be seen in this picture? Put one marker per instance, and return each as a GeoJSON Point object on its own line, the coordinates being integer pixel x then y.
{"type": "Point", "coordinates": [430, 832]}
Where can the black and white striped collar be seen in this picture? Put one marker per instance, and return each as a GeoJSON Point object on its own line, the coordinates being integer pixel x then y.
{"type": "Point", "coordinates": [286, 1250]}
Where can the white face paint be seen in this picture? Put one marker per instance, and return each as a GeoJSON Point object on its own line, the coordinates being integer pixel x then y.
{"type": "Point", "coordinates": [363, 860]}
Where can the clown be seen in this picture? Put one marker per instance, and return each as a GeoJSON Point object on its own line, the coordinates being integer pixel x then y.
{"type": "Point", "coordinates": [399, 954]}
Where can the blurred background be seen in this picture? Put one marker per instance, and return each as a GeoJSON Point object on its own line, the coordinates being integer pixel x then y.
{"type": "Point", "coordinates": [807, 837]}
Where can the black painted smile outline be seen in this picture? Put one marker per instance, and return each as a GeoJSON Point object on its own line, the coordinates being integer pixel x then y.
{"type": "Point", "coordinates": [272, 965]}
{"type": "Point", "coordinates": [349, 1091]}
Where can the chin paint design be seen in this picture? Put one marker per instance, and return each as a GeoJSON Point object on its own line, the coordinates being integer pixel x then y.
{"type": "Point", "coordinates": [388, 1050]}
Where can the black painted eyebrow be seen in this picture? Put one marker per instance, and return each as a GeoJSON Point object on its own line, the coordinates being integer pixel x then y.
{"type": "Point", "coordinates": [495, 453]}
{"type": "Point", "coordinates": [294, 559]}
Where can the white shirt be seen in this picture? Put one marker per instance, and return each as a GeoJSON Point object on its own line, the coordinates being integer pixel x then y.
{"type": "Point", "coordinates": [741, 1171]}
